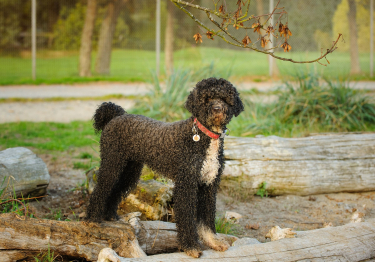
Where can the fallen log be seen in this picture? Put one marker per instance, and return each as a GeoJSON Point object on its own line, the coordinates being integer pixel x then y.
{"type": "Point", "coordinates": [301, 166]}
{"type": "Point", "coordinates": [351, 242]}
{"type": "Point", "coordinates": [129, 237]}
{"type": "Point", "coordinates": [25, 239]}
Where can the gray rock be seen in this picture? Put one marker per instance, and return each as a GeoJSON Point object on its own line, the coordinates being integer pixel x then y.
{"type": "Point", "coordinates": [27, 173]}
{"type": "Point", "coordinates": [245, 241]}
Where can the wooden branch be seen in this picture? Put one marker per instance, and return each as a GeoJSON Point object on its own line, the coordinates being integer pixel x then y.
{"type": "Point", "coordinates": [351, 242]}
{"type": "Point", "coordinates": [182, 4]}
{"type": "Point", "coordinates": [301, 166]}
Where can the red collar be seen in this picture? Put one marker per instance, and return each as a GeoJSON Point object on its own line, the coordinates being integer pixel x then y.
{"type": "Point", "coordinates": [205, 130]}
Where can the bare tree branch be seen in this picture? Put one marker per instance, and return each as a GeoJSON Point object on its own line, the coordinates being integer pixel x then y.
{"type": "Point", "coordinates": [237, 20]}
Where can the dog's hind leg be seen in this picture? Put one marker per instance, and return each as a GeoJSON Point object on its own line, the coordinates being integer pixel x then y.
{"type": "Point", "coordinates": [127, 182]}
{"type": "Point", "coordinates": [206, 217]}
{"type": "Point", "coordinates": [112, 166]}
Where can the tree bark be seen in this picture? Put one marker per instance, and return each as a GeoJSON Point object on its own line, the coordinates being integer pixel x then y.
{"type": "Point", "coordinates": [353, 33]}
{"type": "Point", "coordinates": [86, 40]}
{"type": "Point", "coordinates": [169, 38]}
{"type": "Point", "coordinates": [301, 166]}
{"type": "Point", "coordinates": [107, 30]}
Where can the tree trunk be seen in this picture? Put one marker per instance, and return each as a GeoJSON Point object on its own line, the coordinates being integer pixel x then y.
{"type": "Point", "coordinates": [300, 166]}
{"type": "Point", "coordinates": [86, 40]}
{"type": "Point", "coordinates": [260, 11]}
{"type": "Point", "coordinates": [169, 38]}
{"type": "Point", "coordinates": [107, 30]}
{"type": "Point", "coordinates": [354, 56]}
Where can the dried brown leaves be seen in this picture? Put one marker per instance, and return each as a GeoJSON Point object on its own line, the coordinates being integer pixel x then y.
{"type": "Point", "coordinates": [198, 37]}
{"type": "Point", "coordinates": [246, 41]}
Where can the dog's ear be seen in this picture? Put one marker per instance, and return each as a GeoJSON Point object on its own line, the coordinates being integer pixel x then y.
{"type": "Point", "coordinates": [238, 106]}
{"type": "Point", "coordinates": [190, 103]}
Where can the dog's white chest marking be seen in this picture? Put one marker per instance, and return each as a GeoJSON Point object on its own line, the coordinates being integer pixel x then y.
{"type": "Point", "coordinates": [211, 164]}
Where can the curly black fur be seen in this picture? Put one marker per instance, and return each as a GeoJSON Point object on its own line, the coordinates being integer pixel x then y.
{"type": "Point", "coordinates": [130, 141]}
{"type": "Point", "coordinates": [104, 114]}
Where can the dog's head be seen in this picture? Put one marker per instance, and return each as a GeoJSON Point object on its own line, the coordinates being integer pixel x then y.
{"type": "Point", "coordinates": [214, 102]}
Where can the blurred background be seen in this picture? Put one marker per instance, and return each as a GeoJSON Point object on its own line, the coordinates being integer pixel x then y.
{"type": "Point", "coordinates": [124, 40]}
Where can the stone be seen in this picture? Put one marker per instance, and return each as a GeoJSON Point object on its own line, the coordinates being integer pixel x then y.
{"type": "Point", "coordinates": [23, 172]}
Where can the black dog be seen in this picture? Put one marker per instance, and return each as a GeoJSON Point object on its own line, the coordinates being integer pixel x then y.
{"type": "Point", "coordinates": [190, 152]}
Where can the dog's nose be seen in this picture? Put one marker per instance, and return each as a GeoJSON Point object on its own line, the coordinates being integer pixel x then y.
{"type": "Point", "coordinates": [217, 108]}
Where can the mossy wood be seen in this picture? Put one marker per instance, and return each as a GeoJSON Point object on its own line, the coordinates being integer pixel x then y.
{"type": "Point", "coordinates": [301, 166]}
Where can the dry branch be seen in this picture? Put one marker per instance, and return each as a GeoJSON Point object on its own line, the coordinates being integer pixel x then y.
{"type": "Point", "coordinates": [237, 20]}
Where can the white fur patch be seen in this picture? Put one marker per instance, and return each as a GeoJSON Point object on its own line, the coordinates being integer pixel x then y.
{"type": "Point", "coordinates": [211, 164]}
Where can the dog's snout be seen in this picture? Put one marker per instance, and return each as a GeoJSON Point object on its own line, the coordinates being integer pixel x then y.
{"type": "Point", "coordinates": [217, 108]}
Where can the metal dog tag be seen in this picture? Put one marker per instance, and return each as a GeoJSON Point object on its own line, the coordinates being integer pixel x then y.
{"type": "Point", "coordinates": [196, 138]}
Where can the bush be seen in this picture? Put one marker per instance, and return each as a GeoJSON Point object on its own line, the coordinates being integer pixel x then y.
{"type": "Point", "coordinates": [167, 103]}
{"type": "Point", "coordinates": [312, 105]}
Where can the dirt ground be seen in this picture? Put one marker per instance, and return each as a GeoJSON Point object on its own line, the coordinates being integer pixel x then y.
{"type": "Point", "coordinates": [65, 200]}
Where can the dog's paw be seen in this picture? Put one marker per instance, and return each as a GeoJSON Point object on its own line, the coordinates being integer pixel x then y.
{"type": "Point", "coordinates": [219, 245]}
{"type": "Point", "coordinates": [196, 253]}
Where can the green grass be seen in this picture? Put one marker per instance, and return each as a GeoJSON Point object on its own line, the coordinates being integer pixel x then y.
{"type": "Point", "coordinates": [226, 227]}
{"type": "Point", "coordinates": [135, 65]}
{"type": "Point", "coordinates": [47, 136]}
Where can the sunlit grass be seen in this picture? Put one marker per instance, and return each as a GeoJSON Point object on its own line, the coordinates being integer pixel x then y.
{"type": "Point", "coordinates": [135, 65]}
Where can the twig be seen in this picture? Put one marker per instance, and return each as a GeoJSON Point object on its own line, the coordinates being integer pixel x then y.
{"type": "Point", "coordinates": [233, 19]}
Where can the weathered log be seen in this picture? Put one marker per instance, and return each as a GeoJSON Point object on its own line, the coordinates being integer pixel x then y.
{"type": "Point", "coordinates": [351, 242]}
{"type": "Point", "coordinates": [129, 237]}
{"type": "Point", "coordinates": [24, 239]}
{"type": "Point", "coordinates": [301, 166]}
{"type": "Point", "coordinates": [27, 173]}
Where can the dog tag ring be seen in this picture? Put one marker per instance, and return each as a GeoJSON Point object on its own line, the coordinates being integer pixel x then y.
{"type": "Point", "coordinates": [196, 138]}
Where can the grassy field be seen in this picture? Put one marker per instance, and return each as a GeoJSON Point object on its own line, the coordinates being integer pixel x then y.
{"type": "Point", "coordinates": [136, 65]}
{"type": "Point", "coordinates": [309, 108]}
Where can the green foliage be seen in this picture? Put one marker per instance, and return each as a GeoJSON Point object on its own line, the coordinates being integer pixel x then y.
{"type": "Point", "coordinates": [225, 227]}
{"type": "Point", "coordinates": [80, 165]}
{"type": "Point", "coordinates": [9, 23]}
{"type": "Point", "coordinates": [341, 25]}
{"type": "Point", "coordinates": [135, 65]}
{"type": "Point", "coordinates": [46, 257]}
{"type": "Point", "coordinates": [334, 105]}
{"type": "Point", "coordinates": [262, 190]}
{"type": "Point", "coordinates": [85, 155]}
{"type": "Point", "coordinates": [311, 106]}
{"type": "Point", "coordinates": [69, 26]}
{"type": "Point", "coordinates": [167, 103]}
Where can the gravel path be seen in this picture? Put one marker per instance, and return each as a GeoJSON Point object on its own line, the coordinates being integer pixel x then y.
{"type": "Point", "coordinates": [66, 111]}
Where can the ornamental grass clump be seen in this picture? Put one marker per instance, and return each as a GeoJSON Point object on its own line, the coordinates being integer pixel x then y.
{"type": "Point", "coordinates": [308, 105]}
{"type": "Point", "coordinates": [331, 105]}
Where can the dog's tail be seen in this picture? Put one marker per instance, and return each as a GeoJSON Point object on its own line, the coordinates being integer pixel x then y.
{"type": "Point", "coordinates": [105, 113]}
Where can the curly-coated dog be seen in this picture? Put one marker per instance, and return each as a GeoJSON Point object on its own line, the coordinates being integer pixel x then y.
{"type": "Point", "coordinates": [190, 152]}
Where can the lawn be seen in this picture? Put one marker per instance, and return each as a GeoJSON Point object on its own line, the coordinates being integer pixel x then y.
{"type": "Point", "coordinates": [136, 65]}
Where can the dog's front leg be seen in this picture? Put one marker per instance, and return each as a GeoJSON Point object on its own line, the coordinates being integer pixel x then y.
{"type": "Point", "coordinates": [185, 205]}
{"type": "Point", "coordinates": [206, 217]}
